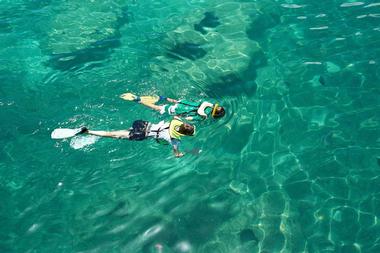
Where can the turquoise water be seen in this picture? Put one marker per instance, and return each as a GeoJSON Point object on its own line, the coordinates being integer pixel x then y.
{"type": "Point", "coordinates": [293, 167]}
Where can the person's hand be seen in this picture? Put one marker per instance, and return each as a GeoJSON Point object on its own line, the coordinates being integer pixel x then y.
{"type": "Point", "coordinates": [180, 154]}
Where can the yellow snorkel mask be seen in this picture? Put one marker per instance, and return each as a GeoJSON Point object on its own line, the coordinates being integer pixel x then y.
{"type": "Point", "coordinates": [214, 110]}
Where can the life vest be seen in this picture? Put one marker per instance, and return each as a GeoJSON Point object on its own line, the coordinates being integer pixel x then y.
{"type": "Point", "coordinates": [174, 129]}
{"type": "Point", "coordinates": [187, 108]}
{"type": "Point", "coordinates": [192, 109]}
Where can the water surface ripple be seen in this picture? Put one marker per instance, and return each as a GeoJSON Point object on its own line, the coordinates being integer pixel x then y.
{"type": "Point", "coordinates": [293, 167]}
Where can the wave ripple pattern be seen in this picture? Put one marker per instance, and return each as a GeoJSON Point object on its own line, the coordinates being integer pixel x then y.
{"type": "Point", "coordinates": [294, 166]}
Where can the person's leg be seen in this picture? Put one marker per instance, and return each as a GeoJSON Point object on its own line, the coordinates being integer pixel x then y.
{"type": "Point", "coordinates": [121, 134]}
{"type": "Point", "coordinates": [170, 109]}
{"type": "Point", "coordinates": [152, 106]}
{"type": "Point", "coordinates": [171, 100]}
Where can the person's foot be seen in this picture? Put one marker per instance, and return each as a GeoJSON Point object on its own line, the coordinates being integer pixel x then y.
{"type": "Point", "coordinates": [130, 97]}
{"type": "Point", "coordinates": [137, 99]}
{"type": "Point", "coordinates": [83, 130]}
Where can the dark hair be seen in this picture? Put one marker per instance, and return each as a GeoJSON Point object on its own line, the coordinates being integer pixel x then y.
{"type": "Point", "coordinates": [186, 129]}
{"type": "Point", "coordinates": [219, 112]}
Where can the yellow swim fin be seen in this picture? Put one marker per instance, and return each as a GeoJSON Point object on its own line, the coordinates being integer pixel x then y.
{"type": "Point", "coordinates": [144, 99]}
{"type": "Point", "coordinates": [150, 99]}
{"type": "Point", "coordinates": [129, 96]}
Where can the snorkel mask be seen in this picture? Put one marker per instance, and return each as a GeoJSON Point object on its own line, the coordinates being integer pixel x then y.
{"type": "Point", "coordinates": [194, 130]}
{"type": "Point", "coordinates": [214, 110]}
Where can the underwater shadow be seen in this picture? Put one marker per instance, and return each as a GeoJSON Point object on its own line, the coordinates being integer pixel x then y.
{"type": "Point", "coordinates": [97, 51]}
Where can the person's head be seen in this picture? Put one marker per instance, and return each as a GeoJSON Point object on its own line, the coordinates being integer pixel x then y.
{"type": "Point", "coordinates": [186, 129]}
{"type": "Point", "coordinates": [217, 111]}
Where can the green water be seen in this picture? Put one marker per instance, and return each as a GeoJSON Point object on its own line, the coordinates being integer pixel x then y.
{"type": "Point", "coordinates": [293, 167]}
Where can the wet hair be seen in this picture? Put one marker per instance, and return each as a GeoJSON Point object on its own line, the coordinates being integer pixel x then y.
{"type": "Point", "coordinates": [219, 112]}
{"type": "Point", "coordinates": [186, 129]}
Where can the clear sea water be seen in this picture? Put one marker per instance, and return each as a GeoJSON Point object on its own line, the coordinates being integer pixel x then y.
{"type": "Point", "coordinates": [293, 167]}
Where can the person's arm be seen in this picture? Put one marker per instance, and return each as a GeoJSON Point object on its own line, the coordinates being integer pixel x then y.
{"type": "Point", "coordinates": [171, 100]}
{"type": "Point", "coordinates": [177, 153]}
{"type": "Point", "coordinates": [175, 143]}
{"type": "Point", "coordinates": [202, 108]}
{"type": "Point", "coordinates": [189, 118]}
{"type": "Point", "coordinates": [122, 134]}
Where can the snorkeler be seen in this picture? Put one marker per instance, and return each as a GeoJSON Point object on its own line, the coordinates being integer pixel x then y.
{"type": "Point", "coordinates": [182, 108]}
{"type": "Point", "coordinates": [163, 132]}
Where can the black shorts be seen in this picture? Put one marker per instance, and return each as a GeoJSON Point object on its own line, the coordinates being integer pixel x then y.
{"type": "Point", "coordinates": [138, 130]}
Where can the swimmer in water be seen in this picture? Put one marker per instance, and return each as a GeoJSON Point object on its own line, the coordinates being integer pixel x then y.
{"type": "Point", "coordinates": [163, 132]}
{"type": "Point", "coordinates": [192, 111]}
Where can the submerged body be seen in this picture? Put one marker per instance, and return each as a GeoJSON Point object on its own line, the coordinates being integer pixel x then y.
{"type": "Point", "coordinates": [183, 108]}
{"type": "Point", "coordinates": [188, 109]}
{"type": "Point", "coordinates": [163, 132]}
